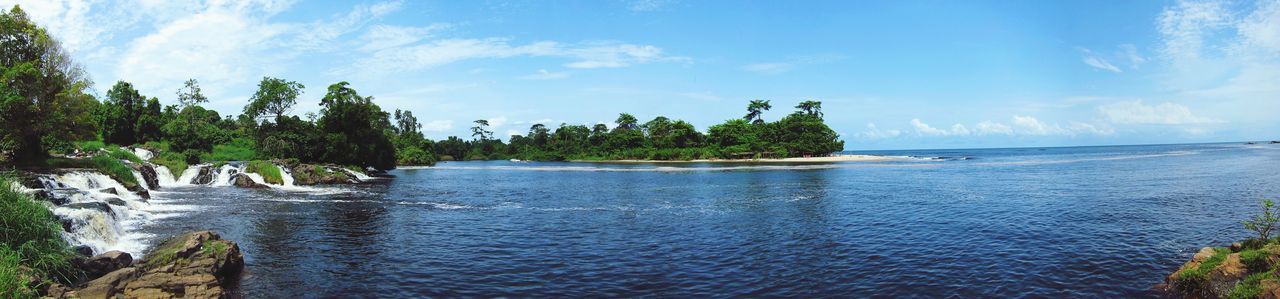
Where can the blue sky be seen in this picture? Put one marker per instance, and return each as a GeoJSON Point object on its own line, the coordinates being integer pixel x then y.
{"type": "Point", "coordinates": [890, 74]}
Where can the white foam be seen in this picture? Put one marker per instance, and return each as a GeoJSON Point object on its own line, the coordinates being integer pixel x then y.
{"type": "Point", "coordinates": [189, 175]}
{"type": "Point", "coordinates": [143, 153]}
{"type": "Point", "coordinates": [164, 177]}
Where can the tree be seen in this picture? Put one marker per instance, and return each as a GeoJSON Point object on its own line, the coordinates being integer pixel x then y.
{"type": "Point", "coordinates": [755, 111]}
{"type": "Point", "coordinates": [1265, 222]}
{"type": "Point", "coordinates": [274, 97]}
{"type": "Point", "coordinates": [42, 91]}
{"type": "Point", "coordinates": [355, 130]}
{"type": "Point", "coordinates": [736, 136]}
{"type": "Point", "coordinates": [406, 123]}
{"type": "Point", "coordinates": [120, 114]}
{"type": "Point", "coordinates": [803, 134]}
{"type": "Point", "coordinates": [189, 95]}
{"type": "Point", "coordinates": [538, 134]}
{"type": "Point", "coordinates": [626, 122]}
{"type": "Point", "coordinates": [813, 108]}
{"type": "Point", "coordinates": [481, 130]}
{"type": "Point", "coordinates": [599, 133]}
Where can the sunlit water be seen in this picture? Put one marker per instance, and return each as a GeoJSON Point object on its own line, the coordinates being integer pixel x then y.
{"type": "Point", "coordinates": [1060, 222]}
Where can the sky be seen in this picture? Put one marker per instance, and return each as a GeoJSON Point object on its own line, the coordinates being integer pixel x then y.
{"type": "Point", "coordinates": [890, 74]}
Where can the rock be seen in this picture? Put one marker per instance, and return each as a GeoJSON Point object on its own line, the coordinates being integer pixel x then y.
{"type": "Point", "coordinates": [243, 181]}
{"type": "Point", "coordinates": [115, 201]}
{"type": "Point", "coordinates": [109, 191]}
{"type": "Point", "coordinates": [307, 174]}
{"type": "Point", "coordinates": [108, 262]}
{"type": "Point", "coordinates": [205, 176]}
{"type": "Point", "coordinates": [83, 250]}
{"type": "Point", "coordinates": [192, 265]}
{"type": "Point", "coordinates": [100, 206]}
{"type": "Point", "coordinates": [1237, 246]}
{"type": "Point", "coordinates": [148, 174]}
{"type": "Point", "coordinates": [51, 196]}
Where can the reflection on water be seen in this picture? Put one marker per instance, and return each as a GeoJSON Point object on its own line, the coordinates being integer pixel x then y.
{"type": "Point", "coordinates": [1062, 222]}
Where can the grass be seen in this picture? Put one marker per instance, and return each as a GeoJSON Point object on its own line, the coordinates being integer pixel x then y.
{"type": "Point", "coordinates": [213, 248]}
{"type": "Point", "coordinates": [1251, 287]}
{"type": "Point", "coordinates": [29, 236]}
{"type": "Point", "coordinates": [270, 173]}
{"type": "Point", "coordinates": [122, 154]}
{"type": "Point", "coordinates": [91, 146]}
{"type": "Point", "coordinates": [1193, 281]}
{"type": "Point", "coordinates": [239, 149]}
{"type": "Point", "coordinates": [106, 164]}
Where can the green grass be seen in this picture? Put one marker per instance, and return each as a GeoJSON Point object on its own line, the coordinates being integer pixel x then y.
{"type": "Point", "coordinates": [106, 164]}
{"type": "Point", "coordinates": [29, 236]}
{"type": "Point", "coordinates": [123, 154]}
{"type": "Point", "coordinates": [1193, 281]}
{"type": "Point", "coordinates": [213, 248]}
{"type": "Point", "coordinates": [91, 146]}
{"type": "Point", "coordinates": [239, 149]}
{"type": "Point", "coordinates": [1251, 287]}
{"type": "Point", "coordinates": [270, 173]}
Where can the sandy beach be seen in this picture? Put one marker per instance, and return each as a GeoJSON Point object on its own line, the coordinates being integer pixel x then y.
{"type": "Point", "coordinates": [833, 158]}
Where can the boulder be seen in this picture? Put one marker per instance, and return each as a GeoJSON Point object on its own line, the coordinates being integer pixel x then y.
{"type": "Point", "coordinates": [148, 174]}
{"type": "Point", "coordinates": [85, 251]}
{"type": "Point", "coordinates": [109, 191]}
{"type": "Point", "coordinates": [205, 176]}
{"type": "Point", "coordinates": [192, 265]}
{"type": "Point", "coordinates": [55, 197]}
{"type": "Point", "coordinates": [108, 262]}
{"type": "Point", "coordinates": [308, 174]}
{"type": "Point", "coordinates": [243, 181]}
{"type": "Point", "coordinates": [115, 201]}
{"type": "Point", "coordinates": [1236, 247]}
{"type": "Point", "coordinates": [100, 206]}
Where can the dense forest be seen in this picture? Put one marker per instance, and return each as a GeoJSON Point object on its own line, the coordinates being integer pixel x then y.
{"type": "Point", "coordinates": [48, 110]}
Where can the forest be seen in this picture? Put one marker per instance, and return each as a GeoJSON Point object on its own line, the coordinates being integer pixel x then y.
{"type": "Point", "coordinates": [48, 110]}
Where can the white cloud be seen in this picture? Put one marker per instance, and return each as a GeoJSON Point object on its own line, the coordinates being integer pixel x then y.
{"type": "Point", "coordinates": [1020, 125]}
{"type": "Point", "coordinates": [770, 68]}
{"type": "Point", "coordinates": [1185, 26]}
{"type": "Point", "coordinates": [926, 130]}
{"type": "Point", "coordinates": [1130, 53]}
{"type": "Point", "coordinates": [543, 74]}
{"type": "Point", "coordinates": [415, 57]}
{"type": "Point", "coordinates": [874, 132]}
{"type": "Point", "coordinates": [1097, 62]}
{"type": "Point", "coordinates": [380, 37]}
{"type": "Point", "coordinates": [987, 127]}
{"type": "Point", "coordinates": [439, 125]}
{"type": "Point", "coordinates": [497, 122]}
{"type": "Point", "coordinates": [1135, 112]}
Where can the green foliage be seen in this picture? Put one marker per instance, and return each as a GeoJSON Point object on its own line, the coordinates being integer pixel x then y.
{"type": "Point", "coordinates": [1258, 260]}
{"type": "Point", "coordinates": [29, 232]}
{"type": "Point", "coordinates": [1264, 222]}
{"type": "Point", "coordinates": [195, 128]}
{"type": "Point", "coordinates": [354, 130]}
{"type": "Point", "coordinates": [239, 149]}
{"type": "Point", "coordinates": [214, 248]}
{"type": "Point", "coordinates": [123, 154]}
{"type": "Point", "coordinates": [91, 146]}
{"type": "Point", "coordinates": [11, 283]}
{"type": "Point", "coordinates": [274, 97]}
{"type": "Point", "coordinates": [105, 164]}
{"type": "Point", "coordinates": [1251, 286]}
{"type": "Point", "coordinates": [270, 173]}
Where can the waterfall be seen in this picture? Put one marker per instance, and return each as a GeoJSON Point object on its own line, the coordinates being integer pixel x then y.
{"type": "Point", "coordinates": [188, 176]}
{"type": "Point", "coordinates": [359, 175]}
{"type": "Point", "coordinates": [143, 153]}
{"type": "Point", "coordinates": [225, 175]}
{"type": "Point", "coordinates": [96, 211]}
{"type": "Point", "coordinates": [286, 176]}
{"type": "Point", "coordinates": [166, 178]}
{"type": "Point", "coordinates": [142, 181]}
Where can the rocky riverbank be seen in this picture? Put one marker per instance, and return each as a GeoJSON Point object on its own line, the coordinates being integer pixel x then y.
{"type": "Point", "coordinates": [1243, 270]}
{"type": "Point", "coordinates": [192, 265]}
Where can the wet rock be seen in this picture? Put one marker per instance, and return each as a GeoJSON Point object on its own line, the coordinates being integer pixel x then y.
{"type": "Point", "coordinates": [52, 196]}
{"type": "Point", "coordinates": [109, 191]}
{"type": "Point", "coordinates": [243, 181]}
{"type": "Point", "coordinates": [205, 176]}
{"type": "Point", "coordinates": [148, 174]}
{"type": "Point", "coordinates": [83, 250]}
{"type": "Point", "coordinates": [307, 174]}
{"type": "Point", "coordinates": [100, 206]}
{"type": "Point", "coordinates": [116, 202]}
{"type": "Point", "coordinates": [193, 265]}
{"type": "Point", "coordinates": [108, 262]}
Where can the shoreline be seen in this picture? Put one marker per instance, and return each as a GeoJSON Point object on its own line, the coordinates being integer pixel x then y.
{"type": "Point", "coordinates": [829, 159]}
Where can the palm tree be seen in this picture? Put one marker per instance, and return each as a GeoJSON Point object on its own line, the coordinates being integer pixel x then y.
{"type": "Point", "coordinates": [626, 121]}
{"type": "Point", "coordinates": [755, 111]}
{"type": "Point", "coordinates": [813, 108]}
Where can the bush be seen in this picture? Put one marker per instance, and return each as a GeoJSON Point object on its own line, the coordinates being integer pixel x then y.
{"type": "Point", "coordinates": [29, 236]}
{"type": "Point", "coordinates": [122, 154]}
{"type": "Point", "coordinates": [239, 149]}
{"type": "Point", "coordinates": [270, 173]}
{"type": "Point", "coordinates": [175, 162]}
{"type": "Point", "coordinates": [105, 164]}
{"type": "Point", "coordinates": [1251, 287]}
{"type": "Point", "coordinates": [92, 146]}
{"type": "Point", "coordinates": [1264, 222]}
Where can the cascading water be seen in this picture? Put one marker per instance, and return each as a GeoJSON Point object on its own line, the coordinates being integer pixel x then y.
{"type": "Point", "coordinates": [96, 211]}
{"type": "Point", "coordinates": [286, 176]}
{"type": "Point", "coordinates": [189, 176]}
{"type": "Point", "coordinates": [142, 181]}
{"type": "Point", "coordinates": [143, 154]}
{"type": "Point", "coordinates": [225, 174]}
{"type": "Point", "coordinates": [165, 177]}
{"type": "Point", "coordinates": [359, 175]}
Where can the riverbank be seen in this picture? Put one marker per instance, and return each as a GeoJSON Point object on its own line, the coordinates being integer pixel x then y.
{"type": "Point", "coordinates": [827, 159]}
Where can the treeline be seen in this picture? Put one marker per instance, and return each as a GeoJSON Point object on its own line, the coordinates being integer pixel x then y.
{"type": "Point", "coordinates": [798, 134]}
{"type": "Point", "coordinates": [45, 109]}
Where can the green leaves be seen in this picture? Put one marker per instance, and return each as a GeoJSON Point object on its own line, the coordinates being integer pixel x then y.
{"type": "Point", "coordinates": [274, 97]}
{"type": "Point", "coordinates": [1265, 222]}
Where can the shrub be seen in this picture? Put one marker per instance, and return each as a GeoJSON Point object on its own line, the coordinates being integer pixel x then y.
{"type": "Point", "coordinates": [92, 146]}
{"type": "Point", "coordinates": [1257, 260]}
{"type": "Point", "coordinates": [105, 164]}
{"type": "Point", "coordinates": [1265, 222]}
{"type": "Point", "coordinates": [1251, 287]}
{"type": "Point", "coordinates": [270, 173]}
{"type": "Point", "coordinates": [122, 154]}
{"type": "Point", "coordinates": [239, 149]}
{"type": "Point", "coordinates": [1194, 282]}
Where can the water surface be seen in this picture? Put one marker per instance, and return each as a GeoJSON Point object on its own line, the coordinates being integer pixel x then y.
{"type": "Point", "coordinates": [1061, 222]}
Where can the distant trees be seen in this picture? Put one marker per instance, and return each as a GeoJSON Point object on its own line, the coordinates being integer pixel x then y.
{"type": "Point", "coordinates": [755, 111]}
{"type": "Point", "coordinates": [355, 130]}
{"type": "Point", "coordinates": [274, 97]}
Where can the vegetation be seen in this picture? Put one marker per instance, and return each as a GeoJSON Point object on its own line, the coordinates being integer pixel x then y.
{"type": "Point", "coordinates": [270, 173]}
{"type": "Point", "coordinates": [29, 237]}
{"type": "Point", "coordinates": [105, 164]}
{"type": "Point", "coordinates": [1265, 222]}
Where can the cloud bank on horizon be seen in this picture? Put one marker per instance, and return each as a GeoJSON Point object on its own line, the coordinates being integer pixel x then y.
{"type": "Point", "coordinates": [899, 74]}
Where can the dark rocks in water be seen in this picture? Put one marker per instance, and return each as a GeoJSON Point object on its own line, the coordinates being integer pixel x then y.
{"type": "Point", "coordinates": [193, 265]}
{"type": "Point", "coordinates": [109, 191]}
{"type": "Point", "coordinates": [55, 197]}
{"type": "Point", "coordinates": [148, 174]}
{"type": "Point", "coordinates": [83, 250]}
{"type": "Point", "coordinates": [115, 201]}
{"type": "Point", "coordinates": [67, 224]}
{"type": "Point", "coordinates": [205, 176]}
{"type": "Point", "coordinates": [100, 206]}
{"type": "Point", "coordinates": [244, 181]}
{"type": "Point", "coordinates": [307, 174]}
{"type": "Point", "coordinates": [107, 262]}
{"type": "Point", "coordinates": [1275, 142]}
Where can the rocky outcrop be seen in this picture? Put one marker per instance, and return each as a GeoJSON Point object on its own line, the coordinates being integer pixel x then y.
{"type": "Point", "coordinates": [148, 174]}
{"type": "Point", "coordinates": [108, 262]}
{"type": "Point", "coordinates": [1240, 271]}
{"type": "Point", "coordinates": [205, 176]}
{"type": "Point", "coordinates": [244, 181]}
{"type": "Point", "coordinates": [193, 265]}
{"type": "Point", "coordinates": [308, 174]}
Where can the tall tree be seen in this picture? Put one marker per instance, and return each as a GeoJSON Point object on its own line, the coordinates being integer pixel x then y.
{"type": "Point", "coordinates": [189, 95]}
{"type": "Point", "coordinates": [355, 129]}
{"type": "Point", "coordinates": [812, 108]}
{"type": "Point", "coordinates": [481, 130]}
{"type": "Point", "coordinates": [42, 91]}
{"type": "Point", "coordinates": [406, 123]}
{"type": "Point", "coordinates": [538, 134]}
{"type": "Point", "coordinates": [274, 97]}
{"type": "Point", "coordinates": [120, 114]}
{"type": "Point", "coordinates": [626, 122]}
{"type": "Point", "coordinates": [755, 111]}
